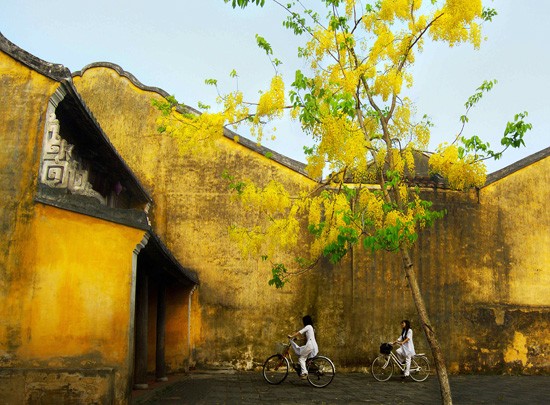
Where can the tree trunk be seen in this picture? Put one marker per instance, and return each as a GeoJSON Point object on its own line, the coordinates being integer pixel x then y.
{"type": "Point", "coordinates": [429, 331]}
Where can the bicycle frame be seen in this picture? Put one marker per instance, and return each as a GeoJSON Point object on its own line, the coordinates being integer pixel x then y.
{"type": "Point", "coordinates": [393, 357]}
{"type": "Point", "coordinates": [320, 369]}
{"type": "Point", "coordinates": [288, 356]}
{"type": "Point", "coordinates": [385, 364]}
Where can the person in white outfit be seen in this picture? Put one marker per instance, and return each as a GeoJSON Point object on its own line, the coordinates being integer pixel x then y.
{"type": "Point", "coordinates": [406, 351]}
{"type": "Point", "coordinates": [310, 349]}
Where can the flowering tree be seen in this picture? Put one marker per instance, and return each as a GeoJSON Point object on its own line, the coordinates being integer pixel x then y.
{"type": "Point", "coordinates": [351, 102]}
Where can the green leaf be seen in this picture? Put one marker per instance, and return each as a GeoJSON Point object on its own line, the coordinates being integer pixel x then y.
{"type": "Point", "coordinates": [203, 106]}
{"type": "Point", "coordinates": [244, 3]}
{"type": "Point", "coordinates": [515, 131]}
{"type": "Point", "coordinates": [278, 275]}
{"type": "Point", "coordinates": [263, 44]}
{"type": "Point", "coordinates": [488, 13]}
{"type": "Point", "coordinates": [308, 151]}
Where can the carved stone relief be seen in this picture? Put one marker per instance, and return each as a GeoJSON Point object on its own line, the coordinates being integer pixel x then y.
{"type": "Point", "coordinates": [61, 167]}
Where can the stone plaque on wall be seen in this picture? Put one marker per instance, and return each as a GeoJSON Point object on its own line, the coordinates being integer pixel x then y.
{"type": "Point", "coordinates": [61, 167]}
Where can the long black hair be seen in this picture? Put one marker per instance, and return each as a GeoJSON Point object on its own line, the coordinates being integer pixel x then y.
{"type": "Point", "coordinates": [405, 329]}
{"type": "Point", "coordinates": [307, 320]}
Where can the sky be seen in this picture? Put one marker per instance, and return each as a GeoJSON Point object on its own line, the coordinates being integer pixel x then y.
{"type": "Point", "coordinates": [176, 45]}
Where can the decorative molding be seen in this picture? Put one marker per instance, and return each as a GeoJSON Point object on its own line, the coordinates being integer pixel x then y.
{"type": "Point", "coordinates": [61, 168]}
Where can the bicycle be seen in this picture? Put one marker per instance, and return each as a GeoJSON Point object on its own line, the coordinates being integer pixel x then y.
{"type": "Point", "coordinates": [320, 369]}
{"type": "Point", "coordinates": [383, 366]}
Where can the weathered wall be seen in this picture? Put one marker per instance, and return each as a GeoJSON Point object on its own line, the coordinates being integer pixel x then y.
{"type": "Point", "coordinates": [24, 95]}
{"type": "Point", "coordinates": [362, 301]}
{"type": "Point", "coordinates": [484, 273]}
{"type": "Point", "coordinates": [516, 214]}
{"type": "Point", "coordinates": [82, 288]}
{"type": "Point", "coordinates": [65, 288]}
{"type": "Point", "coordinates": [463, 263]}
{"type": "Point", "coordinates": [239, 318]}
{"type": "Point", "coordinates": [520, 204]}
{"type": "Point", "coordinates": [69, 306]}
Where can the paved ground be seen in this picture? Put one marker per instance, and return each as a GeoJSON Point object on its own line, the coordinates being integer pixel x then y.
{"type": "Point", "coordinates": [346, 388]}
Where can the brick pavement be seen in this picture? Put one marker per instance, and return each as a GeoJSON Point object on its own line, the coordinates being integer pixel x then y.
{"type": "Point", "coordinates": [346, 388]}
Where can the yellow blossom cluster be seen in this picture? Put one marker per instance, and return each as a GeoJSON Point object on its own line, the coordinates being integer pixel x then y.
{"type": "Point", "coordinates": [282, 234]}
{"type": "Point", "coordinates": [350, 8]}
{"type": "Point", "coordinates": [342, 144]}
{"type": "Point", "coordinates": [271, 105]}
{"type": "Point", "coordinates": [418, 211]}
{"type": "Point", "coordinates": [280, 226]}
{"type": "Point", "coordinates": [315, 164]}
{"type": "Point", "coordinates": [421, 136]}
{"type": "Point", "coordinates": [321, 44]}
{"type": "Point", "coordinates": [393, 216]}
{"type": "Point", "coordinates": [379, 156]}
{"type": "Point", "coordinates": [272, 102]}
{"type": "Point", "coordinates": [234, 109]}
{"type": "Point", "coordinates": [315, 210]}
{"type": "Point", "coordinates": [398, 161]}
{"type": "Point", "coordinates": [351, 104]}
{"type": "Point", "coordinates": [328, 208]}
{"type": "Point", "coordinates": [408, 157]}
{"type": "Point", "coordinates": [455, 22]}
{"type": "Point", "coordinates": [371, 207]}
{"type": "Point", "coordinates": [388, 84]}
{"type": "Point", "coordinates": [194, 134]}
{"type": "Point", "coordinates": [273, 198]}
{"type": "Point", "coordinates": [397, 9]}
{"type": "Point", "coordinates": [460, 172]}
{"type": "Point", "coordinates": [249, 240]}
{"type": "Point", "coordinates": [400, 125]}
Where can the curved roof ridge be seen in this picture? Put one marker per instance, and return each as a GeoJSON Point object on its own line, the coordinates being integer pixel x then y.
{"type": "Point", "coordinates": [54, 71]}
{"type": "Point", "coordinates": [123, 73]}
{"type": "Point", "coordinates": [292, 164]}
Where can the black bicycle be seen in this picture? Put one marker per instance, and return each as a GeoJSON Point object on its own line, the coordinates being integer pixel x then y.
{"type": "Point", "coordinates": [320, 369]}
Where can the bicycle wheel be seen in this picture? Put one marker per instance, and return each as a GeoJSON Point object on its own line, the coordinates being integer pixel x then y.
{"type": "Point", "coordinates": [420, 368]}
{"type": "Point", "coordinates": [320, 371]}
{"type": "Point", "coordinates": [275, 369]}
{"type": "Point", "coordinates": [382, 368]}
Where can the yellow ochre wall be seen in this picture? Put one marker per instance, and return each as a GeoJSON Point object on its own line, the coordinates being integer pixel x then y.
{"type": "Point", "coordinates": [24, 96]}
{"type": "Point", "coordinates": [66, 279]}
{"type": "Point", "coordinates": [133, 132]}
{"type": "Point", "coordinates": [521, 203]}
{"type": "Point", "coordinates": [239, 318]}
{"type": "Point", "coordinates": [71, 305]}
{"type": "Point", "coordinates": [465, 266]}
{"type": "Point", "coordinates": [81, 288]}
{"type": "Point", "coordinates": [464, 263]}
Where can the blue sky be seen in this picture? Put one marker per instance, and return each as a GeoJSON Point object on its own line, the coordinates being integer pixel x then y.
{"type": "Point", "coordinates": [176, 45]}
